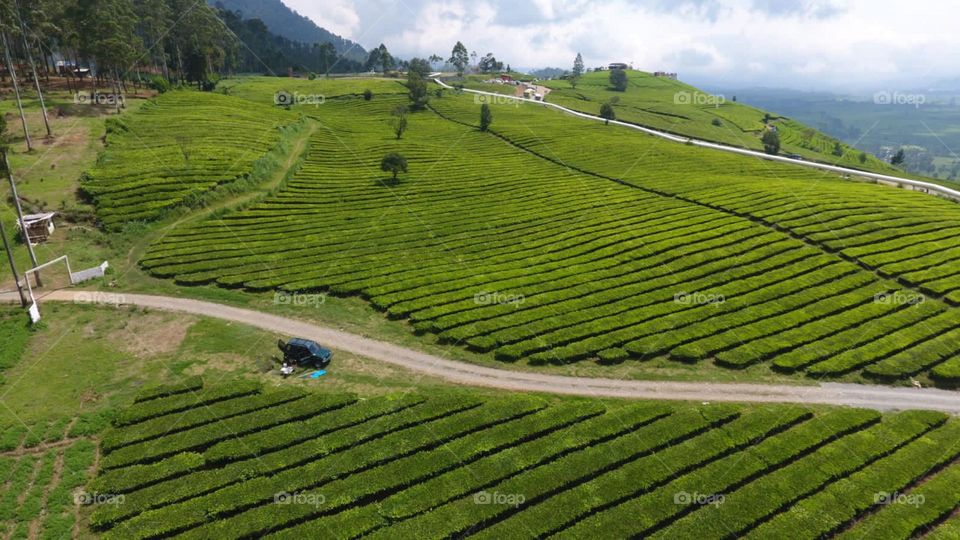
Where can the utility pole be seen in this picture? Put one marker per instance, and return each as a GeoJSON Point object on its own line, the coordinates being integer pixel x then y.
{"type": "Point", "coordinates": [33, 66]}
{"type": "Point", "coordinates": [13, 266]}
{"type": "Point", "coordinates": [23, 224]}
{"type": "Point", "coordinates": [16, 89]}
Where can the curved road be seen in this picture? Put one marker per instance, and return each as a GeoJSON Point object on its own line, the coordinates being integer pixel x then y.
{"type": "Point", "coordinates": [926, 187]}
{"type": "Point", "coordinates": [873, 397]}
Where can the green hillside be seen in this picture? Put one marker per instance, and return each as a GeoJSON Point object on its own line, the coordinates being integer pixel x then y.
{"type": "Point", "coordinates": [288, 464]}
{"type": "Point", "coordinates": [553, 240]}
{"type": "Point", "coordinates": [672, 106]}
{"type": "Point", "coordinates": [176, 150]}
{"type": "Point", "coordinates": [283, 21]}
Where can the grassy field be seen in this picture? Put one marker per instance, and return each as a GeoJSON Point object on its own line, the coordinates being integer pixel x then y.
{"type": "Point", "coordinates": [607, 246]}
{"type": "Point", "coordinates": [48, 179]}
{"type": "Point", "coordinates": [124, 350]}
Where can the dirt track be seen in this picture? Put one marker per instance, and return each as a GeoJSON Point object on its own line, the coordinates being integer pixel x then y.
{"type": "Point", "coordinates": [873, 397]}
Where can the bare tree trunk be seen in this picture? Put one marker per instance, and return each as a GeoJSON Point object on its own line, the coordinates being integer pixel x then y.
{"type": "Point", "coordinates": [33, 66]}
{"type": "Point", "coordinates": [163, 60]}
{"type": "Point", "coordinates": [76, 69]}
{"type": "Point", "coordinates": [47, 62]}
{"type": "Point", "coordinates": [118, 95]}
{"type": "Point", "coordinates": [16, 89]}
{"type": "Point", "coordinates": [180, 65]}
{"type": "Point", "coordinates": [23, 224]}
{"type": "Point", "coordinates": [13, 266]}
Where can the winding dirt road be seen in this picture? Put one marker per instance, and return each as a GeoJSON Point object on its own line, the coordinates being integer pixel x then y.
{"type": "Point", "coordinates": [873, 397]}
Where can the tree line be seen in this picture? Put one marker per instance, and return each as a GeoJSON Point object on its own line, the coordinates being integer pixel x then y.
{"type": "Point", "coordinates": [184, 41]}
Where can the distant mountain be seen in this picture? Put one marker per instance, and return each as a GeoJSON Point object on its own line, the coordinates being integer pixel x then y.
{"type": "Point", "coordinates": [546, 73]}
{"type": "Point", "coordinates": [926, 130]}
{"type": "Point", "coordinates": [283, 21]}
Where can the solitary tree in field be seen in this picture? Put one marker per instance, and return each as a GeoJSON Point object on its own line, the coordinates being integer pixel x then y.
{"type": "Point", "coordinates": [618, 79]}
{"type": "Point", "coordinates": [421, 66]}
{"type": "Point", "coordinates": [899, 158]}
{"type": "Point", "coordinates": [863, 157]}
{"type": "Point", "coordinates": [486, 117]}
{"type": "Point", "coordinates": [418, 91]}
{"type": "Point", "coordinates": [459, 58]}
{"type": "Point", "coordinates": [393, 163]}
{"type": "Point", "coordinates": [577, 71]}
{"type": "Point", "coordinates": [838, 149]}
{"type": "Point", "coordinates": [607, 113]}
{"type": "Point", "coordinates": [367, 94]}
{"type": "Point", "coordinates": [399, 121]}
{"type": "Point", "coordinates": [771, 142]}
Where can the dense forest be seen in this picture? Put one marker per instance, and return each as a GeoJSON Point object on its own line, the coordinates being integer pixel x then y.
{"type": "Point", "coordinates": [181, 41]}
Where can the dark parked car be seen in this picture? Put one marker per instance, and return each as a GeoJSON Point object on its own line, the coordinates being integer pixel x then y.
{"type": "Point", "coordinates": [305, 353]}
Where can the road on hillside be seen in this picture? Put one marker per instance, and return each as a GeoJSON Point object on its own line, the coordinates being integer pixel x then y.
{"type": "Point", "coordinates": [873, 397]}
{"type": "Point", "coordinates": [917, 185]}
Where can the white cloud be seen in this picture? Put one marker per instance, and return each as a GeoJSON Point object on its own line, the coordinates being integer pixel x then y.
{"type": "Point", "coordinates": [337, 16]}
{"type": "Point", "coordinates": [801, 43]}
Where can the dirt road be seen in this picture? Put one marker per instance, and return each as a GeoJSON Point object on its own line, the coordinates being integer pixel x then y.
{"type": "Point", "coordinates": [873, 397]}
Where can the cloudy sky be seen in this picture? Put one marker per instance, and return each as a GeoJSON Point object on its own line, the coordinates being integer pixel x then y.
{"type": "Point", "coordinates": [803, 44]}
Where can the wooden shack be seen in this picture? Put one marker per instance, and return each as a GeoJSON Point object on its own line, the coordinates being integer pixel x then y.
{"type": "Point", "coordinates": [39, 226]}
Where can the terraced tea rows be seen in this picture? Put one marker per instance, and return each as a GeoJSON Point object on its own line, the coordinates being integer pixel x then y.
{"type": "Point", "coordinates": [173, 151]}
{"type": "Point", "coordinates": [864, 224]}
{"type": "Point", "coordinates": [673, 106]}
{"type": "Point", "coordinates": [40, 489]}
{"type": "Point", "coordinates": [530, 257]}
{"type": "Point", "coordinates": [517, 467]}
{"type": "Point", "coordinates": [263, 90]}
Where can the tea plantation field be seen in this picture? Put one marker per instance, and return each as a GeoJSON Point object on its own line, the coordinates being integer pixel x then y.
{"type": "Point", "coordinates": [679, 108]}
{"type": "Point", "coordinates": [551, 239]}
{"type": "Point", "coordinates": [237, 462]}
{"type": "Point", "coordinates": [174, 151]}
{"type": "Point", "coordinates": [38, 497]}
{"type": "Point", "coordinates": [263, 90]}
